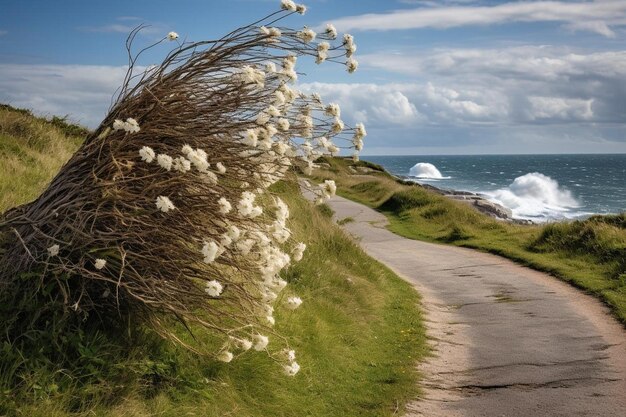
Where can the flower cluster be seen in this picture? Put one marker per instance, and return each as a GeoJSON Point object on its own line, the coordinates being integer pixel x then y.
{"type": "Point", "coordinates": [200, 229]}
{"type": "Point", "coordinates": [130, 125]}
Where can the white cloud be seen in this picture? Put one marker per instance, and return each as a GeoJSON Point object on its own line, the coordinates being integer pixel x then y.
{"type": "Point", "coordinates": [506, 83]}
{"type": "Point", "coordinates": [379, 105]}
{"type": "Point", "coordinates": [561, 108]}
{"type": "Point", "coordinates": [83, 92]}
{"type": "Point", "coordinates": [596, 16]}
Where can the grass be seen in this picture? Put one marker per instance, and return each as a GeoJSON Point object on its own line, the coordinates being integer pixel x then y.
{"type": "Point", "coordinates": [32, 149]}
{"type": "Point", "coordinates": [358, 334]}
{"type": "Point", "coordinates": [590, 254]}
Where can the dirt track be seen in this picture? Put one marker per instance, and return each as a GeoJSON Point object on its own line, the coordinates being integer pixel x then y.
{"type": "Point", "coordinates": [509, 341]}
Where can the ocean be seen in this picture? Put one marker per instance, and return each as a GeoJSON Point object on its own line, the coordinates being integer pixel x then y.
{"type": "Point", "coordinates": [536, 187]}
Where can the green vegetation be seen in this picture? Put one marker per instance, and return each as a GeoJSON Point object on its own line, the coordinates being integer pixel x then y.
{"type": "Point", "coordinates": [358, 334]}
{"type": "Point", "coordinates": [32, 149]}
{"type": "Point", "coordinates": [590, 254]}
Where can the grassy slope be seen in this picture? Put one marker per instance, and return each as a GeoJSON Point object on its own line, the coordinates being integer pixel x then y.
{"type": "Point", "coordinates": [358, 334]}
{"type": "Point", "coordinates": [590, 254]}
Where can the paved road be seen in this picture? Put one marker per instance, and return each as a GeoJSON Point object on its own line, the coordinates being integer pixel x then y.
{"type": "Point", "coordinates": [509, 341]}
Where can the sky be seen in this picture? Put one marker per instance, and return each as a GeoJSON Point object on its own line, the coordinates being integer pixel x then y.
{"type": "Point", "coordinates": [435, 77]}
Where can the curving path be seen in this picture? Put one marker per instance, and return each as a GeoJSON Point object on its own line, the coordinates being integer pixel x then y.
{"type": "Point", "coordinates": [508, 341]}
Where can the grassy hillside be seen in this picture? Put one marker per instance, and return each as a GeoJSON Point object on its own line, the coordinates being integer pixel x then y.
{"type": "Point", "coordinates": [590, 254]}
{"type": "Point", "coordinates": [358, 334]}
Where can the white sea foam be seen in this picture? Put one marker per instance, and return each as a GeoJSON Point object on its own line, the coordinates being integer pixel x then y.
{"type": "Point", "coordinates": [536, 196]}
{"type": "Point", "coordinates": [424, 170]}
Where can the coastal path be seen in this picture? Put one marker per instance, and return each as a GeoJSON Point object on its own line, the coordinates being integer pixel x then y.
{"type": "Point", "coordinates": [507, 340]}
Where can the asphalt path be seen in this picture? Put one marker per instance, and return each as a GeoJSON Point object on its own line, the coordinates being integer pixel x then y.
{"type": "Point", "coordinates": [507, 340]}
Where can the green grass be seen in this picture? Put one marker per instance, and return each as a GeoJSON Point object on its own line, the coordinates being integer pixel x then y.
{"type": "Point", "coordinates": [590, 254]}
{"type": "Point", "coordinates": [358, 335]}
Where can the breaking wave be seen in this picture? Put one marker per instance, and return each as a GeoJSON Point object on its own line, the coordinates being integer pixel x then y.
{"type": "Point", "coordinates": [536, 196]}
{"type": "Point", "coordinates": [424, 170]}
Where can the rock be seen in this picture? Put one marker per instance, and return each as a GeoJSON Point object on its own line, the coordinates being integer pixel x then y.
{"type": "Point", "coordinates": [493, 209]}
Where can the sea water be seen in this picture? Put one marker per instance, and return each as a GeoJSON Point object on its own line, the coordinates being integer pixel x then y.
{"type": "Point", "coordinates": [535, 187]}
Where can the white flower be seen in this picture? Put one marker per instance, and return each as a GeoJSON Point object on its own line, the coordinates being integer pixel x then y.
{"type": "Point", "coordinates": [199, 159]}
{"type": "Point", "coordinates": [251, 139]}
{"type": "Point", "coordinates": [271, 320]}
{"type": "Point", "coordinates": [260, 342]}
{"type": "Point", "coordinates": [307, 121]}
{"type": "Point", "coordinates": [307, 35]}
{"type": "Point", "coordinates": [225, 356]}
{"type": "Point", "coordinates": [211, 251]}
{"type": "Point", "coordinates": [245, 246]}
{"type": "Point", "coordinates": [131, 125]}
{"type": "Point", "coordinates": [283, 124]}
{"type": "Point", "coordinates": [262, 118]}
{"type": "Point", "coordinates": [270, 130]}
{"type": "Point", "coordinates": [251, 75]}
{"type": "Point", "coordinates": [118, 125]}
{"type": "Point", "coordinates": [212, 177]}
{"type": "Point", "coordinates": [293, 302]}
{"type": "Point", "coordinates": [281, 148]}
{"type": "Point", "coordinates": [290, 355]}
{"type": "Point", "coordinates": [273, 111]}
{"type": "Point", "coordinates": [234, 233]}
{"type": "Point", "coordinates": [181, 164]}
{"type": "Point", "coordinates": [348, 39]}
{"type": "Point", "coordinates": [279, 98]}
{"type": "Point", "coordinates": [331, 31]}
{"type": "Point", "coordinates": [172, 36]}
{"type": "Point", "coordinates": [301, 8]}
{"type": "Point", "coordinates": [359, 131]}
{"type": "Point", "coordinates": [289, 74]}
{"type": "Point", "coordinates": [100, 263]}
{"type": "Point", "coordinates": [264, 30]}
{"type": "Point", "coordinates": [358, 143]}
{"type": "Point", "coordinates": [355, 157]}
{"type": "Point", "coordinates": [165, 161]}
{"type": "Point", "coordinates": [275, 33]}
{"type": "Point", "coordinates": [333, 110]}
{"type": "Point", "coordinates": [220, 168]}
{"type": "Point", "coordinates": [337, 125]}
{"type": "Point", "coordinates": [270, 67]}
{"type": "Point", "coordinates": [225, 206]}
{"type": "Point", "coordinates": [350, 50]}
{"type": "Point", "coordinates": [288, 5]}
{"type": "Point", "coordinates": [298, 251]}
{"type": "Point", "coordinates": [243, 344]}
{"type": "Point", "coordinates": [213, 288]}
{"type": "Point", "coordinates": [164, 204]}
{"type": "Point", "coordinates": [329, 187]}
{"type": "Point", "coordinates": [53, 250]}
{"type": "Point", "coordinates": [147, 154]}
{"type": "Point", "coordinates": [187, 149]}
{"type": "Point", "coordinates": [333, 149]}
{"type": "Point", "coordinates": [352, 65]}
{"type": "Point", "coordinates": [292, 369]}
{"type": "Point", "coordinates": [256, 211]}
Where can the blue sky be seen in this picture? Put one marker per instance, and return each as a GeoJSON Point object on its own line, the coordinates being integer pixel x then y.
{"type": "Point", "coordinates": [435, 77]}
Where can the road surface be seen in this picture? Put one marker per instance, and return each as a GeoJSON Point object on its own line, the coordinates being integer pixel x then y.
{"type": "Point", "coordinates": [508, 341]}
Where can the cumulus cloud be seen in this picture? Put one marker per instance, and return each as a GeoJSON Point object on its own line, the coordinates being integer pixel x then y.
{"type": "Point", "coordinates": [528, 84]}
{"type": "Point", "coordinates": [595, 16]}
{"type": "Point", "coordinates": [370, 103]}
{"type": "Point", "coordinates": [83, 92]}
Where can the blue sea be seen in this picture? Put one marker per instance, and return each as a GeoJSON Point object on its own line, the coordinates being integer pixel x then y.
{"type": "Point", "coordinates": [536, 187]}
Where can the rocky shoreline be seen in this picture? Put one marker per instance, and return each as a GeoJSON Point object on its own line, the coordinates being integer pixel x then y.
{"type": "Point", "coordinates": [480, 203]}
